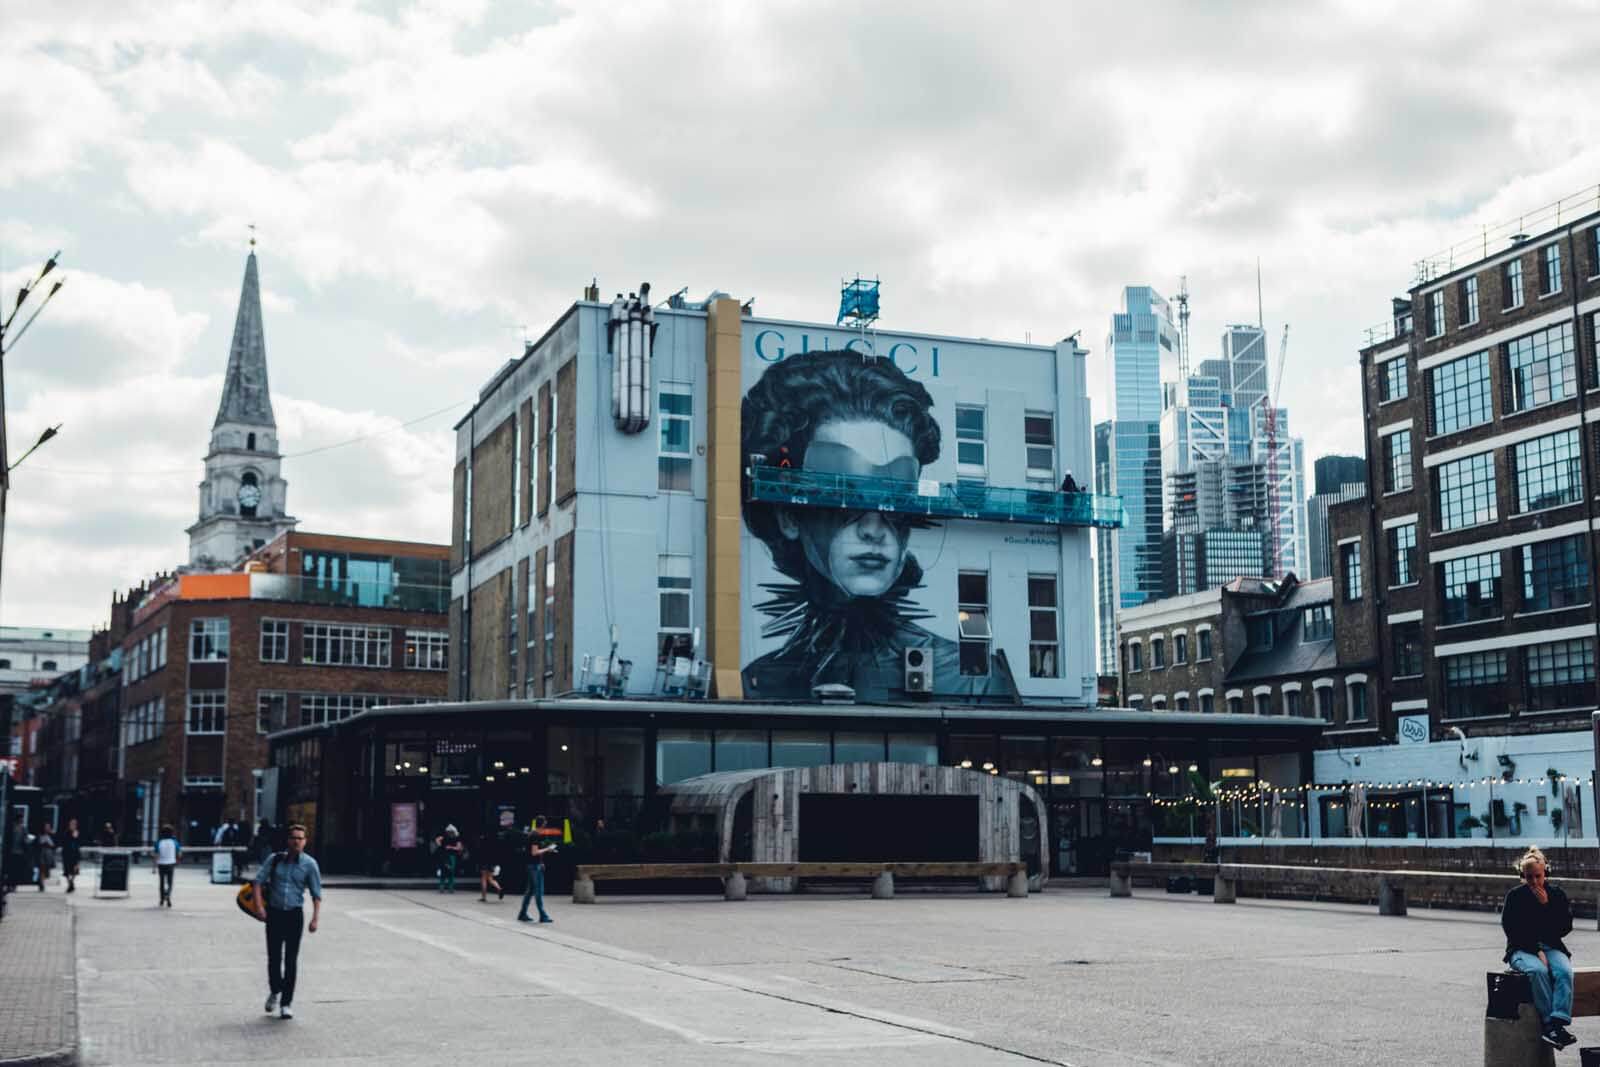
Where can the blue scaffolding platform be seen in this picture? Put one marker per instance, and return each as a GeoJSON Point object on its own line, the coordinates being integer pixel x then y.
{"type": "Point", "coordinates": [942, 500]}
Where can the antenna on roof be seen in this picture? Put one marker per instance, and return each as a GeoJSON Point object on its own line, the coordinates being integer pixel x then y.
{"type": "Point", "coordinates": [1261, 319]}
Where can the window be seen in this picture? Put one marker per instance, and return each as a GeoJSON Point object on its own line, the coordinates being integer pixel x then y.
{"type": "Point", "coordinates": [1555, 574]}
{"type": "Point", "coordinates": [1469, 589]}
{"type": "Point", "coordinates": [1259, 630]}
{"type": "Point", "coordinates": [144, 722]}
{"type": "Point", "coordinates": [1203, 645]}
{"type": "Point", "coordinates": [1135, 657]}
{"type": "Point", "coordinates": [550, 617]}
{"type": "Point", "coordinates": [1594, 252]}
{"type": "Point", "coordinates": [674, 634]}
{"type": "Point", "coordinates": [513, 639]}
{"type": "Point", "coordinates": [971, 454]}
{"type": "Point", "coordinates": [1291, 703]}
{"type": "Point", "coordinates": [271, 712]}
{"type": "Point", "coordinates": [1397, 462]}
{"type": "Point", "coordinates": [1181, 703]}
{"type": "Point", "coordinates": [1158, 653]}
{"type": "Point", "coordinates": [972, 621]}
{"type": "Point", "coordinates": [208, 712]}
{"type": "Point", "coordinates": [274, 641]}
{"type": "Point", "coordinates": [1039, 438]}
{"type": "Point", "coordinates": [1472, 684]}
{"type": "Point", "coordinates": [1467, 301]}
{"type": "Point", "coordinates": [1319, 622]}
{"type": "Point", "coordinates": [1044, 630]}
{"type": "Point", "coordinates": [533, 458]}
{"type": "Point", "coordinates": [1236, 705]}
{"type": "Point", "coordinates": [1550, 270]}
{"type": "Point", "coordinates": [1541, 368]}
{"type": "Point", "coordinates": [1511, 285]}
{"type": "Point", "coordinates": [466, 508]}
{"type": "Point", "coordinates": [319, 708]}
{"type": "Point", "coordinates": [1465, 492]}
{"type": "Point", "coordinates": [1459, 394]}
{"type": "Point", "coordinates": [1324, 699]}
{"type": "Point", "coordinates": [1180, 649]}
{"type": "Point", "coordinates": [1158, 701]}
{"type": "Point", "coordinates": [1263, 703]}
{"type": "Point", "coordinates": [676, 404]}
{"type": "Point", "coordinates": [1350, 567]}
{"type": "Point", "coordinates": [347, 646]}
{"type": "Point", "coordinates": [161, 648]}
{"type": "Point", "coordinates": [1559, 674]}
{"type": "Point", "coordinates": [428, 650]}
{"type": "Point", "coordinates": [1402, 553]}
{"type": "Point", "coordinates": [1393, 382]}
{"type": "Point", "coordinates": [550, 444]}
{"type": "Point", "coordinates": [1208, 704]}
{"type": "Point", "coordinates": [1356, 696]}
{"type": "Point", "coordinates": [1548, 471]}
{"type": "Point", "coordinates": [516, 470]}
{"type": "Point", "coordinates": [1407, 639]}
{"type": "Point", "coordinates": [208, 640]}
{"type": "Point", "coordinates": [1436, 313]}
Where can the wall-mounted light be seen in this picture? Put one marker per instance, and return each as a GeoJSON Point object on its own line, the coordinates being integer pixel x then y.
{"type": "Point", "coordinates": [422, 770]}
{"type": "Point", "coordinates": [488, 777]}
{"type": "Point", "coordinates": [966, 763]}
{"type": "Point", "coordinates": [988, 766]}
{"type": "Point", "coordinates": [1194, 768]}
{"type": "Point", "coordinates": [563, 748]}
{"type": "Point", "coordinates": [1172, 769]}
{"type": "Point", "coordinates": [1097, 762]}
{"type": "Point", "coordinates": [1148, 761]}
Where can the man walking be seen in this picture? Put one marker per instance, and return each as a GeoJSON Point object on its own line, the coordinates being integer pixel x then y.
{"type": "Point", "coordinates": [535, 890]}
{"type": "Point", "coordinates": [281, 886]}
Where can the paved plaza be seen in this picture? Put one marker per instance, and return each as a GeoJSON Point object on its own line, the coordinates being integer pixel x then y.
{"type": "Point", "coordinates": [1067, 977]}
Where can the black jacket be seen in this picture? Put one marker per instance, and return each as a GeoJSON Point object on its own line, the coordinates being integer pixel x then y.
{"type": "Point", "coordinates": [1527, 923]}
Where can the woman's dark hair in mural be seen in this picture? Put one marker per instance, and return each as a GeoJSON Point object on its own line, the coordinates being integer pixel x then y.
{"type": "Point", "coordinates": [784, 410]}
{"type": "Point", "coordinates": [844, 613]}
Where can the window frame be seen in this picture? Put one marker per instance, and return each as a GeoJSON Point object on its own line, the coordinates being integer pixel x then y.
{"type": "Point", "coordinates": [973, 630]}
{"type": "Point", "coordinates": [1473, 497]}
{"type": "Point", "coordinates": [1202, 646]}
{"type": "Point", "coordinates": [1481, 674]}
{"type": "Point", "coordinates": [1553, 452]}
{"type": "Point", "coordinates": [206, 712]}
{"type": "Point", "coordinates": [1032, 442]}
{"type": "Point", "coordinates": [964, 437]}
{"type": "Point", "coordinates": [209, 640]}
{"type": "Point", "coordinates": [1513, 293]}
{"type": "Point", "coordinates": [1399, 475]}
{"type": "Point", "coordinates": [1466, 572]}
{"type": "Point", "coordinates": [1550, 269]}
{"type": "Point", "coordinates": [1541, 368]}
{"type": "Point", "coordinates": [1536, 558]}
{"type": "Point", "coordinates": [1394, 380]}
{"type": "Point", "coordinates": [1401, 541]}
{"type": "Point", "coordinates": [1467, 298]}
{"type": "Point", "coordinates": [278, 638]}
{"type": "Point", "coordinates": [321, 641]}
{"type": "Point", "coordinates": [423, 647]}
{"type": "Point", "coordinates": [681, 462]}
{"type": "Point", "coordinates": [1044, 653]}
{"type": "Point", "coordinates": [1351, 579]}
{"type": "Point", "coordinates": [1405, 640]}
{"type": "Point", "coordinates": [1463, 390]}
{"type": "Point", "coordinates": [1435, 314]}
{"type": "Point", "coordinates": [680, 637]}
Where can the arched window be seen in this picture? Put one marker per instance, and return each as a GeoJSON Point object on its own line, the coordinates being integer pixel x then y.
{"type": "Point", "coordinates": [250, 442]}
{"type": "Point", "coordinates": [249, 494]}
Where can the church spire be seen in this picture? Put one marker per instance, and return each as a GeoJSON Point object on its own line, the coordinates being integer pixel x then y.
{"type": "Point", "coordinates": [245, 398]}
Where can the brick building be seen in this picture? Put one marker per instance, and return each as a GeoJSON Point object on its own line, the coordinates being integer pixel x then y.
{"type": "Point", "coordinates": [318, 628]}
{"type": "Point", "coordinates": [1252, 646]}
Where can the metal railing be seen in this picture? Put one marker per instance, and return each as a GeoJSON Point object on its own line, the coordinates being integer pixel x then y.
{"type": "Point", "coordinates": [1472, 249]}
{"type": "Point", "coordinates": [960, 500]}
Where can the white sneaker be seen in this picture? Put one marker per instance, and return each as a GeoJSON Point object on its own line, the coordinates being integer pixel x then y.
{"type": "Point", "coordinates": [286, 1012]}
{"type": "Point", "coordinates": [272, 1003]}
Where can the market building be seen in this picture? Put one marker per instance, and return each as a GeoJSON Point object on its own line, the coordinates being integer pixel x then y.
{"type": "Point", "coordinates": [864, 546]}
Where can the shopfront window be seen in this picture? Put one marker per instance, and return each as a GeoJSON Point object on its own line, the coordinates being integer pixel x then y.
{"type": "Point", "coordinates": [739, 750]}
{"type": "Point", "coordinates": [682, 754]}
{"type": "Point", "coordinates": [857, 748]}
{"type": "Point", "coordinates": [800, 748]}
{"type": "Point", "coordinates": [914, 748]}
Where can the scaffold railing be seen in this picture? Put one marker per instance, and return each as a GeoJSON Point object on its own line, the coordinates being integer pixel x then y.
{"type": "Point", "coordinates": [1528, 224]}
{"type": "Point", "coordinates": [940, 500]}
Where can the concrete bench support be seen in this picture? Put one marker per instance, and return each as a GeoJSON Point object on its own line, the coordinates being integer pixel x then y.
{"type": "Point", "coordinates": [883, 886]}
{"type": "Point", "coordinates": [583, 891]}
{"type": "Point", "coordinates": [1391, 897]}
{"type": "Point", "coordinates": [735, 887]}
{"type": "Point", "coordinates": [1017, 885]}
{"type": "Point", "coordinates": [1121, 884]}
{"type": "Point", "coordinates": [1225, 891]}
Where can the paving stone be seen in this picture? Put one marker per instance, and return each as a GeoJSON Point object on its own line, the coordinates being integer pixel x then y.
{"type": "Point", "coordinates": [38, 988]}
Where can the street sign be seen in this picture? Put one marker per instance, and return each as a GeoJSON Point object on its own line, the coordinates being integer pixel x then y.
{"type": "Point", "coordinates": [221, 868]}
{"type": "Point", "coordinates": [113, 873]}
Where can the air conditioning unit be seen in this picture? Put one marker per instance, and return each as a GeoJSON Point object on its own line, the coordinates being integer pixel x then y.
{"type": "Point", "coordinates": [918, 660]}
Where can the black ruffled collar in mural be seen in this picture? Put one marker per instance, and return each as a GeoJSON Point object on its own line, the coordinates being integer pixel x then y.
{"type": "Point", "coordinates": [821, 623]}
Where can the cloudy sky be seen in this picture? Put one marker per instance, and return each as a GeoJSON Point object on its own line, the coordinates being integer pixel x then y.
{"type": "Point", "coordinates": [428, 181]}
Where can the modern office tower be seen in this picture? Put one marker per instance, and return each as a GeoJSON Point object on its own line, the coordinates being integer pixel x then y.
{"type": "Point", "coordinates": [1105, 562]}
{"type": "Point", "coordinates": [1331, 473]}
{"type": "Point", "coordinates": [1337, 478]}
{"type": "Point", "coordinates": [1141, 335]}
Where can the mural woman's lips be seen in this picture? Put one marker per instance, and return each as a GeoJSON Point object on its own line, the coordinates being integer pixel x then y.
{"type": "Point", "coordinates": [871, 561]}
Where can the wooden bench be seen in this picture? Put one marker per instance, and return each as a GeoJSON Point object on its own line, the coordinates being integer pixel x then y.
{"type": "Point", "coordinates": [736, 887]}
{"type": "Point", "coordinates": [1391, 888]}
{"type": "Point", "coordinates": [1511, 1026]}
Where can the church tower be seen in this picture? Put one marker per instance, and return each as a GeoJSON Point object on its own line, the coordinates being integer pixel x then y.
{"type": "Point", "coordinates": [242, 496]}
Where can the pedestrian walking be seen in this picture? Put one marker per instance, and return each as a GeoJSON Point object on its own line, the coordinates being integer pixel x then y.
{"type": "Point", "coordinates": [450, 850]}
{"type": "Point", "coordinates": [263, 841]}
{"type": "Point", "coordinates": [537, 850]}
{"type": "Point", "coordinates": [489, 856]}
{"type": "Point", "coordinates": [16, 857]}
{"type": "Point", "coordinates": [71, 853]}
{"type": "Point", "coordinates": [167, 852]}
{"type": "Point", "coordinates": [44, 847]}
{"type": "Point", "coordinates": [281, 887]}
{"type": "Point", "coordinates": [1535, 918]}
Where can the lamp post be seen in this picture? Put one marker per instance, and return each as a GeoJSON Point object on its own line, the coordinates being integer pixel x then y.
{"type": "Point", "coordinates": [8, 340]}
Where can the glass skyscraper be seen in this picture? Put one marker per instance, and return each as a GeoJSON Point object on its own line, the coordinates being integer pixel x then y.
{"type": "Point", "coordinates": [1141, 334]}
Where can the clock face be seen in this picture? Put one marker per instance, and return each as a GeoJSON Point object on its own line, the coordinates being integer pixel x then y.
{"type": "Point", "coordinates": [249, 495]}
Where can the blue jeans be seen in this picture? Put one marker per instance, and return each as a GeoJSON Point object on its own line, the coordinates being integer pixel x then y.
{"type": "Point", "coordinates": [1552, 986]}
{"type": "Point", "coordinates": [535, 892]}
{"type": "Point", "coordinates": [447, 873]}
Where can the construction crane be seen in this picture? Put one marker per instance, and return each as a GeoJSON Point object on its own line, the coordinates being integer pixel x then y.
{"type": "Point", "coordinates": [1183, 332]}
{"type": "Point", "coordinates": [1274, 499]}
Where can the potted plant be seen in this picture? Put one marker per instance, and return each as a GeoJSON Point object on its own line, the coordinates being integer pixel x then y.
{"type": "Point", "coordinates": [1555, 819]}
{"type": "Point", "coordinates": [1555, 781]}
{"type": "Point", "coordinates": [1471, 823]}
{"type": "Point", "coordinates": [1518, 810]}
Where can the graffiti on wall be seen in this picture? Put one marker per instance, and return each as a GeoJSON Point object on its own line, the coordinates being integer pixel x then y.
{"type": "Point", "coordinates": [842, 598]}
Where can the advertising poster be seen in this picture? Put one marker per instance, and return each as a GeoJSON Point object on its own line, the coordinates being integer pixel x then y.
{"type": "Point", "coordinates": [403, 825]}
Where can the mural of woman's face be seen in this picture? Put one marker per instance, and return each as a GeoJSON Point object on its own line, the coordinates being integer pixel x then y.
{"type": "Point", "coordinates": [861, 552]}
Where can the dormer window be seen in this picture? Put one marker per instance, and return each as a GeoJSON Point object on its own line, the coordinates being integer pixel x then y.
{"type": "Point", "coordinates": [1260, 629]}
